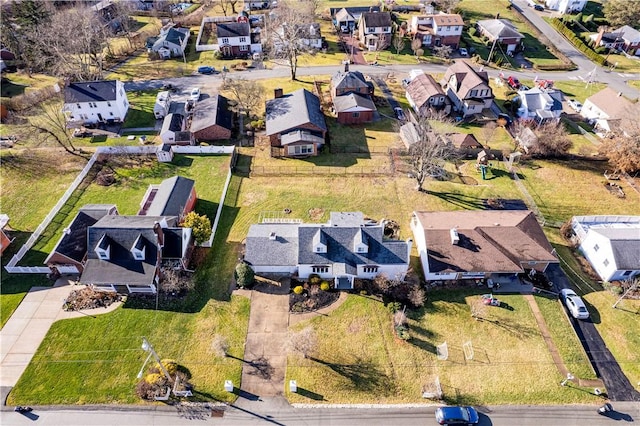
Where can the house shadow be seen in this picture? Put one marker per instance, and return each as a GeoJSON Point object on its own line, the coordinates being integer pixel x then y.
{"type": "Point", "coordinates": [9, 89]}
{"type": "Point", "coordinates": [460, 200]}
{"type": "Point", "coordinates": [309, 394]}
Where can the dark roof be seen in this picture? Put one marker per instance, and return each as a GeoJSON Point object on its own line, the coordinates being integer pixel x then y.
{"type": "Point", "coordinates": [349, 80]}
{"type": "Point", "coordinates": [354, 11]}
{"type": "Point", "coordinates": [212, 111]}
{"type": "Point", "coordinates": [172, 123]}
{"type": "Point", "coordinates": [464, 140]}
{"type": "Point", "coordinates": [500, 28]}
{"type": "Point", "coordinates": [120, 233]}
{"type": "Point", "coordinates": [490, 240]}
{"type": "Point", "coordinates": [176, 35]}
{"type": "Point", "coordinates": [376, 19]}
{"type": "Point", "coordinates": [91, 91]}
{"type": "Point", "coordinates": [293, 110]}
{"type": "Point", "coordinates": [73, 243]}
{"type": "Point", "coordinates": [233, 29]}
{"type": "Point", "coordinates": [171, 197]}
{"type": "Point", "coordinates": [625, 245]}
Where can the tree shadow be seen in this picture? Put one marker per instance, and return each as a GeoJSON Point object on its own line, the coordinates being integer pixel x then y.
{"type": "Point", "coordinates": [522, 331]}
{"type": "Point", "coordinates": [459, 200]}
{"type": "Point", "coordinates": [363, 376]}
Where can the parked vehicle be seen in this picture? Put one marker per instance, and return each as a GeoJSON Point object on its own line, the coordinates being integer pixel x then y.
{"type": "Point", "coordinates": [194, 95]}
{"type": "Point", "coordinates": [399, 114]}
{"type": "Point", "coordinates": [575, 105]}
{"type": "Point", "coordinates": [457, 416]}
{"type": "Point", "coordinates": [170, 87]}
{"type": "Point", "coordinates": [506, 117]}
{"type": "Point", "coordinates": [539, 7]}
{"type": "Point", "coordinates": [206, 70]}
{"type": "Point", "coordinates": [463, 52]}
{"type": "Point", "coordinates": [574, 304]}
{"type": "Point", "coordinates": [513, 82]}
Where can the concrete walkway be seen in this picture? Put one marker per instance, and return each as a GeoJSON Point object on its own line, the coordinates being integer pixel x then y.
{"type": "Point", "coordinates": [24, 331]}
{"type": "Point", "coordinates": [265, 357]}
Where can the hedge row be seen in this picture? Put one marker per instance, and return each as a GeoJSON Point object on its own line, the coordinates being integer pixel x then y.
{"type": "Point", "coordinates": [577, 42]}
{"type": "Point", "coordinates": [555, 67]}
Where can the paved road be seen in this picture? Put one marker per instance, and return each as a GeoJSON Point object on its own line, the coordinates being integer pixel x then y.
{"type": "Point", "coordinates": [276, 413]}
{"type": "Point", "coordinates": [617, 384]}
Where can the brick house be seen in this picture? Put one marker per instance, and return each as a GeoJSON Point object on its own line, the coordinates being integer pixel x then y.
{"type": "Point", "coordinates": [501, 30]}
{"type": "Point", "coordinates": [234, 39]}
{"type": "Point", "coordinates": [212, 119]}
{"type": "Point", "coordinates": [352, 97]}
{"type": "Point", "coordinates": [442, 29]}
{"type": "Point", "coordinates": [295, 123]}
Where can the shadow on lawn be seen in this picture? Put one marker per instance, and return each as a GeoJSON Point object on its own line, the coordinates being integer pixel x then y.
{"type": "Point", "coordinates": [459, 200]}
{"type": "Point", "coordinates": [363, 375]}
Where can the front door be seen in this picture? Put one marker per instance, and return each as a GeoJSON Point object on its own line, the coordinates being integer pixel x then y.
{"type": "Point", "coordinates": [100, 117]}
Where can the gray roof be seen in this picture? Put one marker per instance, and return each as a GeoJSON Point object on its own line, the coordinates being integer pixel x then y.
{"type": "Point", "coordinates": [73, 243]}
{"type": "Point", "coordinates": [536, 99]}
{"type": "Point", "coordinates": [260, 250]}
{"type": "Point", "coordinates": [121, 232]}
{"type": "Point", "coordinates": [376, 19]}
{"type": "Point", "coordinates": [625, 245]}
{"type": "Point", "coordinates": [172, 123]}
{"type": "Point", "coordinates": [300, 136]}
{"type": "Point", "coordinates": [171, 197]}
{"type": "Point", "coordinates": [90, 91]}
{"type": "Point", "coordinates": [292, 111]}
{"type": "Point", "coordinates": [500, 28]}
{"type": "Point", "coordinates": [343, 15]}
{"type": "Point", "coordinates": [355, 11]}
{"type": "Point", "coordinates": [422, 88]}
{"type": "Point", "coordinates": [345, 102]}
{"type": "Point", "coordinates": [349, 80]}
{"type": "Point", "coordinates": [233, 29]}
{"type": "Point", "coordinates": [212, 111]}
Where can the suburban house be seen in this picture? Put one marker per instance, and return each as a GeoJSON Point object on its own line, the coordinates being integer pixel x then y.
{"type": "Point", "coordinates": [173, 130]}
{"type": "Point", "coordinates": [255, 5]}
{"type": "Point", "coordinates": [606, 108]}
{"type": "Point", "coordinates": [458, 245]}
{"type": "Point", "coordinates": [631, 39]}
{"type": "Point", "coordinates": [350, 16]}
{"type": "Point", "coordinates": [125, 253]}
{"type": "Point", "coordinates": [234, 39]}
{"type": "Point", "coordinates": [467, 88]}
{"type": "Point", "coordinates": [345, 248]}
{"type": "Point", "coordinates": [434, 30]}
{"type": "Point", "coordinates": [92, 102]}
{"type": "Point", "coordinates": [501, 30]}
{"type": "Point", "coordinates": [540, 104]}
{"type": "Point", "coordinates": [611, 244]}
{"type": "Point", "coordinates": [309, 35]}
{"type": "Point", "coordinates": [70, 252]}
{"type": "Point", "coordinates": [5, 240]}
{"type": "Point", "coordinates": [175, 196]}
{"type": "Point", "coordinates": [608, 39]}
{"type": "Point", "coordinates": [212, 119]}
{"type": "Point", "coordinates": [351, 94]}
{"type": "Point", "coordinates": [374, 30]}
{"type": "Point", "coordinates": [566, 6]}
{"type": "Point", "coordinates": [426, 96]}
{"type": "Point", "coordinates": [171, 42]}
{"type": "Point", "coordinates": [295, 123]}
{"type": "Point", "coordinates": [163, 102]}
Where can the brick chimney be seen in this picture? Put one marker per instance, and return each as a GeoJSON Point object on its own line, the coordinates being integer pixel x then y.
{"type": "Point", "coordinates": [277, 93]}
{"type": "Point", "coordinates": [157, 229]}
{"type": "Point", "coordinates": [346, 66]}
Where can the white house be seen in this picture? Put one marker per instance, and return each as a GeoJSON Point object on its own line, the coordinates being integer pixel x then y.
{"type": "Point", "coordinates": [171, 41]}
{"type": "Point", "coordinates": [173, 131]}
{"type": "Point", "coordinates": [478, 244]}
{"type": "Point", "coordinates": [91, 102]}
{"type": "Point", "coordinates": [540, 104]}
{"type": "Point", "coordinates": [606, 108]}
{"type": "Point", "coordinates": [442, 29]}
{"type": "Point", "coordinates": [374, 30]}
{"type": "Point", "coordinates": [566, 6]}
{"type": "Point", "coordinates": [467, 88]}
{"type": "Point", "coordinates": [346, 247]}
{"type": "Point", "coordinates": [161, 107]}
{"type": "Point", "coordinates": [611, 244]}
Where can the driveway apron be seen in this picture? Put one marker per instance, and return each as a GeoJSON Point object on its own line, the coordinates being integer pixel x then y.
{"type": "Point", "coordinates": [265, 358]}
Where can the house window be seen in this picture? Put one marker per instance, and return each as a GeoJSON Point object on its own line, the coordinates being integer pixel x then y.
{"type": "Point", "coordinates": [355, 114]}
{"type": "Point", "coordinates": [362, 250]}
{"type": "Point", "coordinates": [320, 269]}
{"type": "Point", "coordinates": [111, 113]}
{"type": "Point", "coordinates": [370, 29]}
{"type": "Point", "coordinates": [244, 48]}
{"type": "Point", "coordinates": [596, 247]}
{"type": "Point", "coordinates": [243, 39]}
{"type": "Point", "coordinates": [626, 273]}
{"type": "Point", "coordinates": [606, 262]}
{"type": "Point", "coordinates": [138, 255]}
{"type": "Point", "coordinates": [370, 269]}
{"type": "Point", "coordinates": [387, 29]}
{"type": "Point", "coordinates": [225, 40]}
{"type": "Point", "coordinates": [301, 149]}
{"type": "Point", "coordinates": [108, 104]}
{"type": "Point", "coordinates": [456, 28]}
{"type": "Point", "coordinates": [79, 106]}
{"type": "Point", "coordinates": [474, 93]}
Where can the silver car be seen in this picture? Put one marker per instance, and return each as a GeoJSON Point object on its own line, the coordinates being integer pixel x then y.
{"type": "Point", "coordinates": [574, 304]}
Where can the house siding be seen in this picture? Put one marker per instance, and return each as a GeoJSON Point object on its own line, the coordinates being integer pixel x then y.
{"type": "Point", "coordinates": [86, 113]}
{"type": "Point", "coordinates": [58, 260]}
{"type": "Point", "coordinates": [275, 138]}
{"type": "Point", "coordinates": [598, 257]}
{"type": "Point", "coordinates": [348, 118]}
{"type": "Point", "coordinates": [4, 242]}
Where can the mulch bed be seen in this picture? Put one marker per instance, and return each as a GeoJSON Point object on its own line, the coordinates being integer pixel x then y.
{"type": "Point", "coordinates": [311, 300]}
{"type": "Point", "coordinates": [88, 298]}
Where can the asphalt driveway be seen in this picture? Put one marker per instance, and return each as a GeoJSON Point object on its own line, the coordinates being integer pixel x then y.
{"type": "Point", "coordinates": [605, 365]}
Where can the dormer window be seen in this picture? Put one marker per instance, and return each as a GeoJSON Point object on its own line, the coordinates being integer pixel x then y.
{"type": "Point", "coordinates": [319, 242]}
{"type": "Point", "coordinates": [138, 248]}
{"type": "Point", "coordinates": [103, 248]}
{"type": "Point", "coordinates": [360, 242]}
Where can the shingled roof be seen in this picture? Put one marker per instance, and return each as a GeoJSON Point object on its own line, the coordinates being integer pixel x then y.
{"type": "Point", "coordinates": [212, 111]}
{"type": "Point", "coordinates": [91, 91]}
{"type": "Point", "coordinates": [499, 28]}
{"type": "Point", "coordinates": [611, 103]}
{"type": "Point", "coordinates": [423, 87]}
{"type": "Point", "coordinates": [233, 29]}
{"type": "Point", "coordinates": [172, 197]}
{"type": "Point", "coordinates": [376, 19]}
{"type": "Point", "coordinates": [353, 100]}
{"type": "Point", "coordinates": [466, 78]}
{"type": "Point", "coordinates": [293, 110]}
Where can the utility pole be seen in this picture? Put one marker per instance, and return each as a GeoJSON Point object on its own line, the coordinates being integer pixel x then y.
{"type": "Point", "coordinates": [146, 346]}
{"type": "Point", "coordinates": [491, 51]}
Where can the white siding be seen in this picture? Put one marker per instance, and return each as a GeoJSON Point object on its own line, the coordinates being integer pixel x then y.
{"type": "Point", "coordinates": [285, 269]}
{"type": "Point", "coordinates": [599, 257]}
{"type": "Point", "coordinates": [305, 270]}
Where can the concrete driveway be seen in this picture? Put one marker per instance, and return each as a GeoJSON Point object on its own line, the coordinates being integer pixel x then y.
{"type": "Point", "coordinates": [605, 365]}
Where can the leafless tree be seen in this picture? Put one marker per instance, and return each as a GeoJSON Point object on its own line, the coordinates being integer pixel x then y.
{"type": "Point", "coordinates": [442, 51]}
{"type": "Point", "coordinates": [122, 11]}
{"type": "Point", "coordinates": [398, 43]}
{"type": "Point", "coordinates": [489, 131]}
{"type": "Point", "coordinates": [248, 94]}
{"type": "Point", "coordinates": [622, 147]}
{"type": "Point", "coordinates": [447, 5]}
{"type": "Point", "coordinates": [416, 44]}
{"type": "Point", "coordinates": [304, 341]}
{"type": "Point", "coordinates": [553, 140]}
{"type": "Point", "coordinates": [290, 28]}
{"type": "Point", "coordinates": [417, 295]}
{"type": "Point", "coordinates": [175, 281]}
{"type": "Point", "coordinates": [429, 153]}
{"type": "Point", "coordinates": [225, 5]}
{"type": "Point", "coordinates": [399, 318]}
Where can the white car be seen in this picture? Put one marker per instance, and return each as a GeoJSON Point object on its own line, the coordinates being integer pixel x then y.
{"type": "Point", "coordinates": [575, 105]}
{"type": "Point", "coordinates": [194, 95]}
{"type": "Point", "coordinates": [574, 304]}
{"type": "Point", "coordinates": [463, 52]}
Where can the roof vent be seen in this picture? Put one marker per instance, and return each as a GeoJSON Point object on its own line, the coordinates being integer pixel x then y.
{"type": "Point", "coordinates": [455, 237]}
{"type": "Point", "coordinates": [272, 236]}
{"type": "Point", "coordinates": [496, 224]}
{"type": "Point", "coordinates": [66, 231]}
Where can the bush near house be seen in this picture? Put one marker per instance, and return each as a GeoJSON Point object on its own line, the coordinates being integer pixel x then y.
{"type": "Point", "coordinates": [244, 275]}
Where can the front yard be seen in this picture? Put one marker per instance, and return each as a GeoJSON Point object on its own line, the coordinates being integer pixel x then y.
{"type": "Point", "coordinates": [359, 360]}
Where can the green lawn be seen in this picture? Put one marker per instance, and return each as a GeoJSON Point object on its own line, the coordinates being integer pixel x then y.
{"type": "Point", "coordinates": [141, 109]}
{"type": "Point", "coordinates": [94, 360]}
{"type": "Point", "coordinates": [358, 359]}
